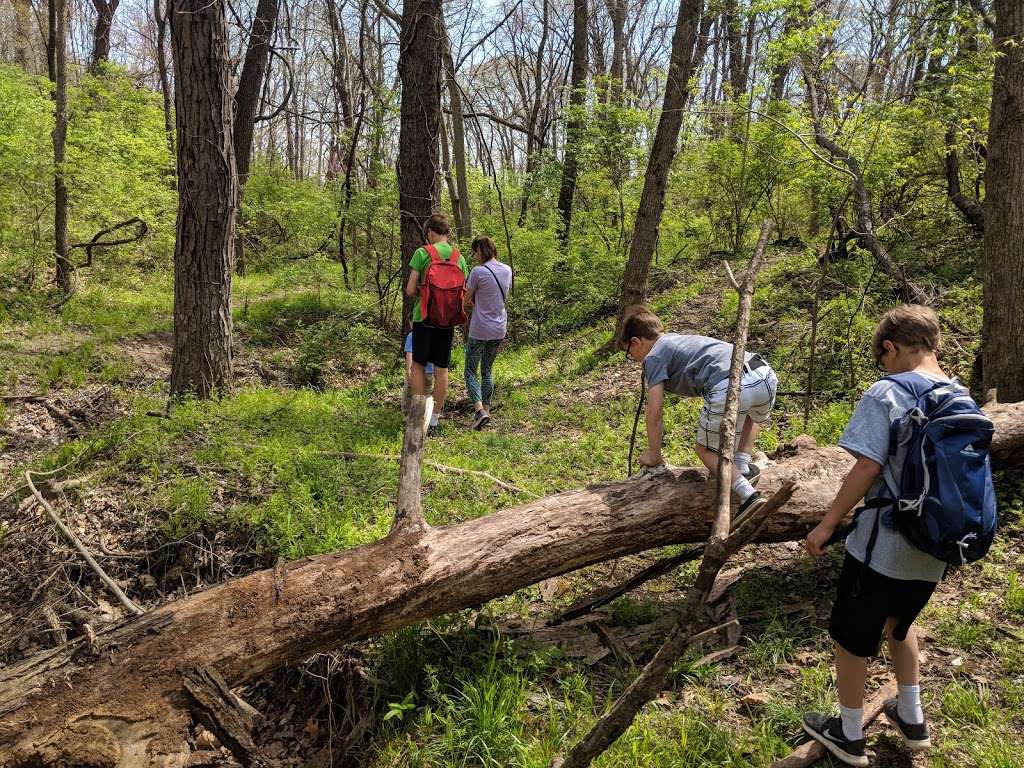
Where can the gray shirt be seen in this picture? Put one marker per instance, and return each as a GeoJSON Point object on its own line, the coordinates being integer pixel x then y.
{"type": "Point", "coordinates": [489, 319]}
{"type": "Point", "coordinates": [688, 365]}
{"type": "Point", "coordinates": [867, 435]}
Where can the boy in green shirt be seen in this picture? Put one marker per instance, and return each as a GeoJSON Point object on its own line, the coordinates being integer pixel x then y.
{"type": "Point", "coordinates": [431, 344]}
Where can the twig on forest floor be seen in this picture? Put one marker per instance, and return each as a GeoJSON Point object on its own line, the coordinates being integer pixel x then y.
{"type": "Point", "coordinates": [77, 544]}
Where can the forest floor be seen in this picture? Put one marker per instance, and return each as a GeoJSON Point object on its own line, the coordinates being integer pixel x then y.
{"type": "Point", "coordinates": [173, 501]}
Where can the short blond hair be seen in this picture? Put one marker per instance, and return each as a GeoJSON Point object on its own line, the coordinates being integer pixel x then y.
{"type": "Point", "coordinates": [640, 322]}
{"type": "Point", "coordinates": [911, 325]}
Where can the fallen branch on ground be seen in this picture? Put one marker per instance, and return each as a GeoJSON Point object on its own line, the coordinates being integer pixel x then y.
{"type": "Point", "coordinates": [78, 545]}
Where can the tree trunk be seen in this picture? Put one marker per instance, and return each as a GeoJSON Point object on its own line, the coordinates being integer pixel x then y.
{"type": "Point", "coordinates": [971, 208]}
{"type": "Point", "coordinates": [57, 66]}
{"type": "Point", "coordinates": [531, 141]}
{"type": "Point", "coordinates": [419, 66]}
{"type": "Point", "coordinates": [1003, 324]}
{"type": "Point", "coordinates": [120, 701]}
{"type": "Point", "coordinates": [247, 101]}
{"type": "Point", "coordinates": [734, 32]}
{"type": "Point", "coordinates": [160, 19]}
{"type": "Point", "coordinates": [105, 10]}
{"type": "Point", "coordinates": [574, 124]}
{"type": "Point", "coordinates": [910, 291]}
{"type": "Point", "coordinates": [24, 56]}
{"type": "Point", "coordinates": [617, 10]}
{"type": "Point", "coordinates": [663, 150]}
{"type": "Point", "coordinates": [207, 198]}
{"type": "Point", "coordinates": [465, 216]}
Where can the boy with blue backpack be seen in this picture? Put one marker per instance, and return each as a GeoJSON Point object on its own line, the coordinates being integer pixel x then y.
{"type": "Point", "coordinates": [921, 449]}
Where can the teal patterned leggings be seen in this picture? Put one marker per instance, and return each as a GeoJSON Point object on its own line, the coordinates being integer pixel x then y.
{"type": "Point", "coordinates": [480, 354]}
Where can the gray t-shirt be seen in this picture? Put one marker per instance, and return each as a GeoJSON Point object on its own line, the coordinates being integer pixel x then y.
{"type": "Point", "coordinates": [489, 319]}
{"type": "Point", "coordinates": [867, 435]}
{"type": "Point", "coordinates": [688, 365]}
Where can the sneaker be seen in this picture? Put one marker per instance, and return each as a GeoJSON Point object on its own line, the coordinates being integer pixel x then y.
{"type": "Point", "coordinates": [753, 502]}
{"type": "Point", "coordinates": [828, 731]}
{"type": "Point", "coordinates": [915, 735]}
{"type": "Point", "coordinates": [433, 430]}
{"type": "Point", "coordinates": [753, 474]}
{"type": "Point", "coordinates": [480, 420]}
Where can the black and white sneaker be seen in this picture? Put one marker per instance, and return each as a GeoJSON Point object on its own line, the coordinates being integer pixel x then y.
{"type": "Point", "coordinates": [752, 473]}
{"type": "Point", "coordinates": [433, 430]}
{"type": "Point", "coordinates": [754, 501]}
{"type": "Point", "coordinates": [915, 735]}
{"type": "Point", "coordinates": [829, 732]}
{"type": "Point", "coordinates": [480, 420]}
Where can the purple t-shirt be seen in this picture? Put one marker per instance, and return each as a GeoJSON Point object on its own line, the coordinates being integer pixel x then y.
{"type": "Point", "coordinates": [489, 317]}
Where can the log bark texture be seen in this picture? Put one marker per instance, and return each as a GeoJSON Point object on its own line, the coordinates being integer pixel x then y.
{"type": "Point", "coordinates": [121, 701]}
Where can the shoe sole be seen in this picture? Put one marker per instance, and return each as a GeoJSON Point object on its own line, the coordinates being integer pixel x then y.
{"type": "Point", "coordinates": [844, 756]}
{"type": "Point", "coordinates": [914, 745]}
{"type": "Point", "coordinates": [478, 425]}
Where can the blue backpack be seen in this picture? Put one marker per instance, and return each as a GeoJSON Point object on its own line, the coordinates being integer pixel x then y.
{"type": "Point", "coordinates": [943, 501]}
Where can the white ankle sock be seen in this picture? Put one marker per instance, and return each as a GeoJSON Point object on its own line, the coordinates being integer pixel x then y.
{"type": "Point", "coordinates": [908, 704]}
{"type": "Point", "coordinates": [742, 487]}
{"type": "Point", "coordinates": [852, 719]}
{"type": "Point", "coordinates": [433, 419]}
{"type": "Point", "coordinates": [742, 461]}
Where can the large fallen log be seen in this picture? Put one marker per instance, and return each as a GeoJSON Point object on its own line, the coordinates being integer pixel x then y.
{"type": "Point", "coordinates": [121, 699]}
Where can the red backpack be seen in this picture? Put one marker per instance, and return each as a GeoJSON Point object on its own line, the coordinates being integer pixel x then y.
{"type": "Point", "coordinates": [444, 286]}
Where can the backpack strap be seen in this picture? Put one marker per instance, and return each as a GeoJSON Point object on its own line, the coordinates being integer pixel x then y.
{"type": "Point", "coordinates": [431, 250]}
{"type": "Point", "coordinates": [496, 280]}
{"type": "Point", "coordinates": [914, 384]}
{"type": "Point", "coordinates": [454, 256]}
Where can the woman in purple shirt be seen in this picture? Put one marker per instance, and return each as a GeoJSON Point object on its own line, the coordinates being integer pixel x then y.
{"type": "Point", "coordinates": [486, 293]}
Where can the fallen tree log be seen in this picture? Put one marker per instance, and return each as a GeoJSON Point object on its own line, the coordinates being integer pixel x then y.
{"type": "Point", "coordinates": [119, 699]}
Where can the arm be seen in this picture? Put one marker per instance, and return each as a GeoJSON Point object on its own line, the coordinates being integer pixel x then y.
{"type": "Point", "coordinates": [655, 427]}
{"type": "Point", "coordinates": [857, 483]}
{"type": "Point", "coordinates": [412, 287]}
{"type": "Point", "coordinates": [467, 299]}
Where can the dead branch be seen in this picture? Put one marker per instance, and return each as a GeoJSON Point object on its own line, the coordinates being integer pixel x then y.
{"type": "Point", "coordinates": [78, 545]}
{"type": "Point", "coordinates": [96, 242]}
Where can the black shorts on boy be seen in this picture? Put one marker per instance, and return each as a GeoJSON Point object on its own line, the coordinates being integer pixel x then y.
{"type": "Point", "coordinates": [866, 600]}
{"type": "Point", "coordinates": [432, 345]}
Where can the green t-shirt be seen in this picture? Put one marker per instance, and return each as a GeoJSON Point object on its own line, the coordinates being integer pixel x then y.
{"type": "Point", "coordinates": [419, 262]}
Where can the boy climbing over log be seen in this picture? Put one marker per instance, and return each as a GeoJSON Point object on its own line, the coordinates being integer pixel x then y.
{"type": "Point", "coordinates": [921, 446]}
{"type": "Point", "coordinates": [690, 366]}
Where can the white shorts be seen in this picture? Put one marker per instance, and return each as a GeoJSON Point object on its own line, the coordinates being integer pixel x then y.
{"type": "Point", "coordinates": [757, 397]}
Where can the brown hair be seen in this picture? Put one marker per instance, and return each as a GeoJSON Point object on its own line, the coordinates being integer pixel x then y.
{"type": "Point", "coordinates": [485, 247]}
{"type": "Point", "coordinates": [438, 223]}
{"type": "Point", "coordinates": [639, 321]}
{"type": "Point", "coordinates": [911, 325]}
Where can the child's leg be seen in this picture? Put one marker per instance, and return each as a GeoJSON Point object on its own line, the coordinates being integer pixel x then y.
{"type": "Point", "coordinates": [490, 352]}
{"type": "Point", "coordinates": [418, 379]}
{"type": "Point", "coordinates": [440, 390]}
{"type": "Point", "coordinates": [748, 436]}
{"type": "Point", "coordinates": [851, 674]}
{"type": "Point", "coordinates": [905, 662]}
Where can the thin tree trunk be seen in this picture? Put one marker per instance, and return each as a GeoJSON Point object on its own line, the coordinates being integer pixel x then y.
{"type": "Point", "coordinates": [574, 125]}
{"type": "Point", "coordinates": [1003, 324]}
{"type": "Point", "coordinates": [419, 66]}
{"type": "Point", "coordinates": [862, 198]}
{"type": "Point", "coordinates": [57, 64]}
{"type": "Point", "coordinates": [531, 142]}
{"type": "Point", "coordinates": [617, 10]}
{"type": "Point", "coordinates": [23, 38]}
{"type": "Point", "coordinates": [972, 209]}
{"type": "Point", "coordinates": [105, 10]}
{"type": "Point", "coordinates": [465, 217]}
{"type": "Point", "coordinates": [663, 151]}
{"type": "Point", "coordinates": [247, 101]}
{"type": "Point", "coordinates": [160, 19]}
{"type": "Point", "coordinates": [207, 198]}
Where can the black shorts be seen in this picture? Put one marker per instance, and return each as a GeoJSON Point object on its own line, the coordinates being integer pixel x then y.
{"type": "Point", "coordinates": [866, 600]}
{"type": "Point", "coordinates": [432, 345]}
